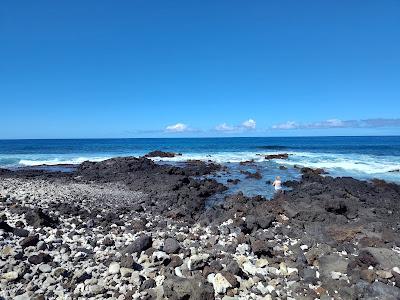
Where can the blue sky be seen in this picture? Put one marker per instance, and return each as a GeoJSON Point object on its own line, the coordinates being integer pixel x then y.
{"type": "Point", "coordinates": [199, 68]}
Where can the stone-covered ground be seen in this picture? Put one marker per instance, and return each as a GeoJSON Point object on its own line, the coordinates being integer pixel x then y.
{"type": "Point", "coordinates": [131, 229]}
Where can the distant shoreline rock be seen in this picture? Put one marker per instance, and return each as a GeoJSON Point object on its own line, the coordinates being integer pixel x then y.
{"type": "Point", "coordinates": [277, 156]}
{"type": "Point", "coordinates": [159, 153]}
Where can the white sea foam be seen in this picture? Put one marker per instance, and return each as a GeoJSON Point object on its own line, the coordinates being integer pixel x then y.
{"type": "Point", "coordinates": [59, 161]}
{"type": "Point", "coordinates": [352, 162]}
{"type": "Point", "coordinates": [341, 164]}
{"type": "Point", "coordinates": [220, 157]}
{"type": "Point", "coordinates": [347, 162]}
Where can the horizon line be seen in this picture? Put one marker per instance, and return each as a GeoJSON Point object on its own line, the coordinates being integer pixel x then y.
{"type": "Point", "coordinates": [196, 137]}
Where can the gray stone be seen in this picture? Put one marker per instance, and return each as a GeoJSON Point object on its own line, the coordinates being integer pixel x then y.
{"type": "Point", "coordinates": [171, 246]}
{"type": "Point", "coordinates": [190, 289]}
{"type": "Point", "coordinates": [45, 268]}
{"type": "Point", "coordinates": [309, 275]}
{"type": "Point", "coordinates": [386, 258]}
{"type": "Point", "coordinates": [378, 290]}
{"type": "Point", "coordinates": [197, 261]}
{"type": "Point", "coordinates": [142, 243]}
{"type": "Point", "coordinates": [29, 241]}
{"type": "Point", "coordinates": [332, 263]}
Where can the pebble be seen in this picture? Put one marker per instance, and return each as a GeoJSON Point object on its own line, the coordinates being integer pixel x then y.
{"type": "Point", "coordinates": [10, 276]}
{"type": "Point", "coordinates": [114, 268]}
{"type": "Point", "coordinates": [197, 261]}
{"type": "Point", "coordinates": [45, 268]}
{"type": "Point", "coordinates": [219, 282]}
{"type": "Point", "coordinates": [94, 263]}
{"type": "Point", "coordinates": [384, 274]}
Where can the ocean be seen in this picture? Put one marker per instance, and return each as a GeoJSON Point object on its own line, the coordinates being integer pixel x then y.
{"type": "Point", "coordinates": [358, 157]}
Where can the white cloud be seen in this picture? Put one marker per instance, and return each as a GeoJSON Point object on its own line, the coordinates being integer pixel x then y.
{"type": "Point", "coordinates": [224, 127]}
{"type": "Point", "coordinates": [249, 124]}
{"type": "Point", "coordinates": [287, 125]}
{"type": "Point", "coordinates": [178, 127]}
{"type": "Point", "coordinates": [336, 123]}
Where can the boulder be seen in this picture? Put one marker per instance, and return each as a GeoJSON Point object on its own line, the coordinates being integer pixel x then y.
{"type": "Point", "coordinates": [38, 218]}
{"type": "Point", "coordinates": [386, 258]}
{"type": "Point", "coordinates": [189, 289]}
{"type": "Point", "coordinates": [142, 243]}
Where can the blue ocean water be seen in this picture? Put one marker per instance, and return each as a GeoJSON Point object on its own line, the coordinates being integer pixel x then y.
{"type": "Point", "coordinates": [359, 157]}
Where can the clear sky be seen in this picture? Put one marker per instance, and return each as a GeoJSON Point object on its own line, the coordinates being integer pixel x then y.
{"type": "Point", "coordinates": [199, 68]}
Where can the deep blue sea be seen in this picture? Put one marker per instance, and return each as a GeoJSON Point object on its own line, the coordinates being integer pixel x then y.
{"type": "Point", "coordinates": [359, 157]}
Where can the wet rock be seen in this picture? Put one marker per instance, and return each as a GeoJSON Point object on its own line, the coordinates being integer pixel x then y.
{"type": "Point", "coordinates": [246, 162]}
{"type": "Point", "coordinates": [277, 156]}
{"type": "Point", "coordinates": [309, 171]}
{"type": "Point", "coordinates": [233, 181]}
{"type": "Point", "coordinates": [257, 175]}
{"type": "Point", "coordinates": [159, 153]}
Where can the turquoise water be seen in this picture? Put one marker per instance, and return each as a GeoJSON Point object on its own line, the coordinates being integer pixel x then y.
{"type": "Point", "coordinates": [360, 157]}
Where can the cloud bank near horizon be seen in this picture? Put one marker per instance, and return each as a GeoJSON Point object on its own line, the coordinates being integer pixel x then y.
{"type": "Point", "coordinates": [247, 125]}
{"type": "Point", "coordinates": [250, 126]}
{"type": "Point", "coordinates": [178, 127]}
{"type": "Point", "coordinates": [337, 123]}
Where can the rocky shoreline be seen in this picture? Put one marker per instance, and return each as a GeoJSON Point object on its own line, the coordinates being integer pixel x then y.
{"type": "Point", "coordinates": [128, 228]}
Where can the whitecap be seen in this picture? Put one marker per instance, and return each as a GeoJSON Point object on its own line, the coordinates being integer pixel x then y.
{"type": "Point", "coordinates": [60, 161]}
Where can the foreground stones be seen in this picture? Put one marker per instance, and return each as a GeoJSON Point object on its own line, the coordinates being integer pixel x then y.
{"type": "Point", "coordinates": [99, 234]}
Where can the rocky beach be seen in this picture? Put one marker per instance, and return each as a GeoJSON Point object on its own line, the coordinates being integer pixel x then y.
{"type": "Point", "coordinates": [130, 228]}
